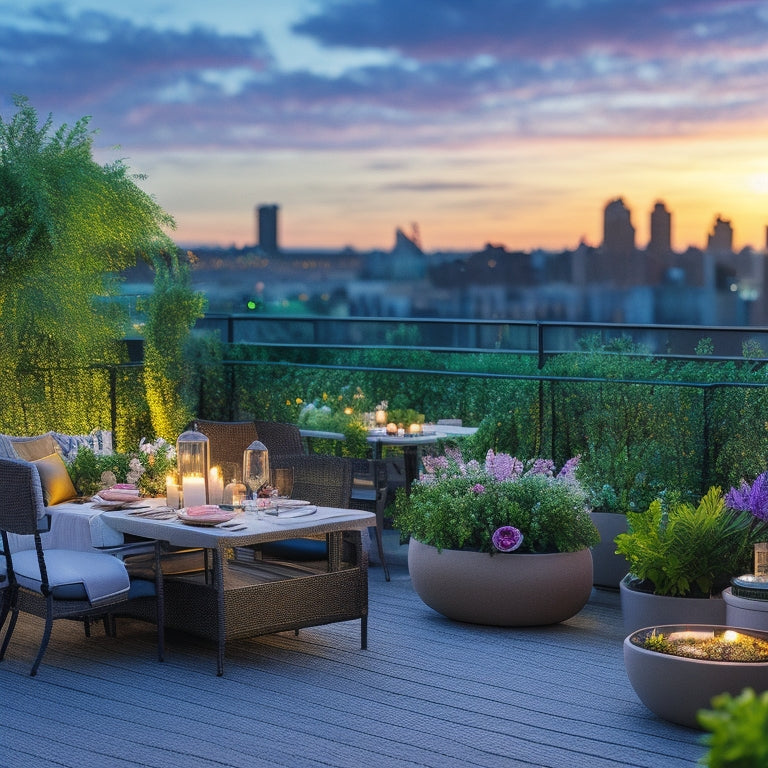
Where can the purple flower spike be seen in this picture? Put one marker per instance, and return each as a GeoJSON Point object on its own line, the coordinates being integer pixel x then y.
{"type": "Point", "coordinates": [507, 538]}
{"type": "Point", "coordinates": [478, 488]}
{"type": "Point", "coordinates": [752, 499]}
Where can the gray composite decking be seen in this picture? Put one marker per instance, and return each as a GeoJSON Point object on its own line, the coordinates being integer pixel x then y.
{"type": "Point", "coordinates": [427, 692]}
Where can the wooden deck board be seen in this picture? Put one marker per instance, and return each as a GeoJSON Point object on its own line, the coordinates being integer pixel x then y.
{"type": "Point", "coordinates": [427, 692]}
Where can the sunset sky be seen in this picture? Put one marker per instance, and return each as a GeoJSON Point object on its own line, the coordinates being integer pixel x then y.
{"type": "Point", "coordinates": [505, 121]}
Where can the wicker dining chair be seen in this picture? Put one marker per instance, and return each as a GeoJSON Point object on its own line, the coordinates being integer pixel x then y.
{"type": "Point", "coordinates": [322, 480]}
{"type": "Point", "coordinates": [280, 438]}
{"type": "Point", "coordinates": [227, 441]}
{"type": "Point", "coordinates": [60, 583]}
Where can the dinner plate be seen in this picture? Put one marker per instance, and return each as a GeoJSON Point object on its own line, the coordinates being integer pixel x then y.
{"type": "Point", "coordinates": [213, 518]}
{"type": "Point", "coordinates": [287, 503]}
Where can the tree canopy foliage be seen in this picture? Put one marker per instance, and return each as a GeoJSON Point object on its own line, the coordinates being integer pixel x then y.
{"type": "Point", "coordinates": [68, 227]}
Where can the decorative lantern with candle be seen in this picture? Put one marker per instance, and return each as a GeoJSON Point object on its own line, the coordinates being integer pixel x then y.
{"type": "Point", "coordinates": [215, 486]}
{"type": "Point", "coordinates": [255, 467]}
{"type": "Point", "coordinates": [193, 458]}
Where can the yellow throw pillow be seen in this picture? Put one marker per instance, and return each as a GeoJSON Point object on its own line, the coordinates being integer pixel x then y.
{"type": "Point", "coordinates": [56, 482]}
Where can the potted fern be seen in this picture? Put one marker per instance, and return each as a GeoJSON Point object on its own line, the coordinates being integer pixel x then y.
{"type": "Point", "coordinates": [681, 556]}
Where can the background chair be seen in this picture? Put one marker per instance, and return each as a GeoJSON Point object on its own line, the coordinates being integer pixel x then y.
{"type": "Point", "coordinates": [227, 441]}
{"type": "Point", "coordinates": [369, 493]}
{"type": "Point", "coordinates": [280, 438]}
{"type": "Point", "coordinates": [322, 480]}
{"type": "Point", "coordinates": [58, 583]}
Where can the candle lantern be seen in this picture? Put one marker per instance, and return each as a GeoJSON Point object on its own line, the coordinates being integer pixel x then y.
{"type": "Point", "coordinates": [761, 559]}
{"type": "Point", "coordinates": [255, 467]}
{"type": "Point", "coordinates": [381, 417]}
{"type": "Point", "coordinates": [193, 459]}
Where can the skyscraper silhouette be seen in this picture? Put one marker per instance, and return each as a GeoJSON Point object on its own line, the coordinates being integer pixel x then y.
{"type": "Point", "coordinates": [267, 228]}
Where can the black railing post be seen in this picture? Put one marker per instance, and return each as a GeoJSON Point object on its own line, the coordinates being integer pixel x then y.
{"type": "Point", "coordinates": [113, 405]}
{"type": "Point", "coordinates": [705, 448]}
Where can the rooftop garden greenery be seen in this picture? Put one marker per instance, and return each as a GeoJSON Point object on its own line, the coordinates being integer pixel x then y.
{"type": "Point", "coordinates": [69, 226]}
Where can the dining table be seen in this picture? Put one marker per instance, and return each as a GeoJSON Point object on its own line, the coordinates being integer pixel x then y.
{"type": "Point", "coordinates": [231, 598]}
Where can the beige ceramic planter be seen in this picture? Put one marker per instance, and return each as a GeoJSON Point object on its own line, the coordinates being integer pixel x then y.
{"type": "Point", "coordinates": [608, 567]}
{"type": "Point", "coordinates": [743, 612]}
{"type": "Point", "coordinates": [643, 609]}
{"type": "Point", "coordinates": [676, 688]}
{"type": "Point", "coordinates": [506, 590]}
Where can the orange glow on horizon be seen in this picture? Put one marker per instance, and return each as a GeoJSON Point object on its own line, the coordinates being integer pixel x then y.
{"type": "Point", "coordinates": [547, 193]}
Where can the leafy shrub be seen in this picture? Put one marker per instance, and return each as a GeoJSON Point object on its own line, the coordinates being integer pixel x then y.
{"type": "Point", "coordinates": [738, 731]}
{"type": "Point", "coordinates": [688, 550]}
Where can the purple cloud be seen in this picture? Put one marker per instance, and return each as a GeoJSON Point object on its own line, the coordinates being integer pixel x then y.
{"type": "Point", "coordinates": [459, 73]}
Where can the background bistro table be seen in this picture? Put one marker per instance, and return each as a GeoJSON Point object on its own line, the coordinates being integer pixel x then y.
{"type": "Point", "coordinates": [410, 444]}
{"type": "Point", "coordinates": [232, 600]}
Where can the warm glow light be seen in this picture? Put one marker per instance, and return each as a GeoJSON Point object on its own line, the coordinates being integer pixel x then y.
{"type": "Point", "coordinates": [567, 185]}
{"type": "Point", "coordinates": [730, 636]}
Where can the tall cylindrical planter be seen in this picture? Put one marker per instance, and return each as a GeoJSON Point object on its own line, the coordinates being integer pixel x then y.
{"type": "Point", "coordinates": [643, 609]}
{"type": "Point", "coordinates": [608, 567]}
{"type": "Point", "coordinates": [504, 589]}
{"type": "Point", "coordinates": [745, 612]}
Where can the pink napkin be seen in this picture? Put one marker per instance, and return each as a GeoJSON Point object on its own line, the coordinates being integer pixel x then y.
{"type": "Point", "coordinates": [203, 510]}
{"type": "Point", "coordinates": [115, 494]}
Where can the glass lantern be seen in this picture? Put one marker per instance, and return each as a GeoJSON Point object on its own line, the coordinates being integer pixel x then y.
{"type": "Point", "coordinates": [255, 467]}
{"type": "Point", "coordinates": [193, 460]}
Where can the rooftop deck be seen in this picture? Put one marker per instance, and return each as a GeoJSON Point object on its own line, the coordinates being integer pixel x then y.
{"type": "Point", "coordinates": [427, 692]}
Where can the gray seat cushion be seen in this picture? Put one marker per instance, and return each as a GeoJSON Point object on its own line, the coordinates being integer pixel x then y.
{"type": "Point", "coordinates": [74, 575]}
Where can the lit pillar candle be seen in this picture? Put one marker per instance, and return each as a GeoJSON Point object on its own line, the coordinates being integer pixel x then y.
{"type": "Point", "coordinates": [215, 486]}
{"type": "Point", "coordinates": [193, 488]}
{"type": "Point", "coordinates": [172, 492]}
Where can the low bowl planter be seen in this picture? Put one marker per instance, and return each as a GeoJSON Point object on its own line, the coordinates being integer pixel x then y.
{"type": "Point", "coordinates": [675, 687]}
{"type": "Point", "coordinates": [505, 589]}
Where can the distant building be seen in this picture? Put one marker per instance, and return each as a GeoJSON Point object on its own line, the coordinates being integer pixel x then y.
{"type": "Point", "coordinates": [660, 245]}
{"type": "Point", "coordinates": [720, 240]}
{"type": "Point", "coordinates": [618, 232]}
{"type": "Point", "coordinates": [661, 230]}
{"type": "Point", "coordinates": [266, 236]}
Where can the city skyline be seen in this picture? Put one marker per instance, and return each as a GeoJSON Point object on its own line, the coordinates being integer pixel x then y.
{"type": "Point", "coordinates": [492, 121]}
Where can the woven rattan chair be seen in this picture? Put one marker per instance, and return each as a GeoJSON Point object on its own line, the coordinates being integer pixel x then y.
{"type": "Point", "coordinates": [280, 438]}
{"type": "Point", "coordinates": [60, 583]}
{"type": "Point", "coordinates": [227, 441]}
{"type": "Point", "coordinates": [322, 480]}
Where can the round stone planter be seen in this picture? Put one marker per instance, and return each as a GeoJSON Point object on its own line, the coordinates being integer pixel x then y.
{"type": "Point", "coordinates": [608, 567]}
{"type": "Point", "coordinates": [744, 612]}
{"type": "Point", "coordinates": [676, 688]}
{"type": "Point", "coordinates": [505, 590]}
{"type": "Point", "coordinates": [643, 609]}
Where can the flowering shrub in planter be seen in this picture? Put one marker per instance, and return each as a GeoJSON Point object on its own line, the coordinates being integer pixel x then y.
{"type": "Point", "coordinates": [145, 467]}
{"type": "Point", "coordinates": [502, 505]}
